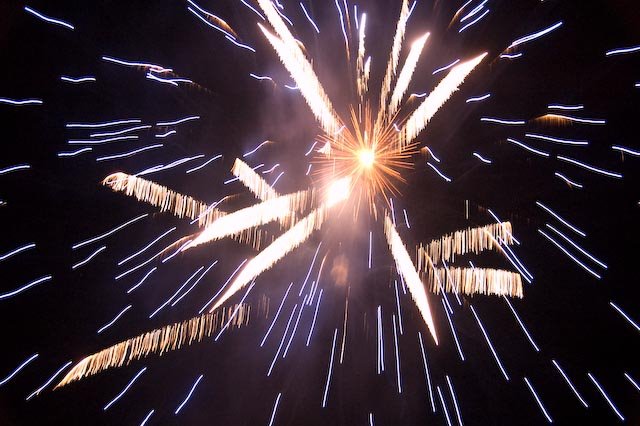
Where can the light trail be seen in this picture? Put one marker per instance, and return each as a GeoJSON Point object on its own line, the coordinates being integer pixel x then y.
{"type": "Point", "coordinates": [503, 121]}
{"type": "Point", "coordinates": [16, 251]}
{"type": "Point", "coordinates": [326, 388]}
{"type": "Point", "coordinates": [444, 406]}
{"type": "Point", "coordinates": [528, 148]}
{"type": "Point", "coordinates": [284, 335]}
{"type": "Point", "coordinates": [275, 318]}
{"type": "Point", "coordinates": [315, 27]}
{"type": "Point", "coordinates": [432, 154]}
{"type": "Point", "coordinates": [556, 140]}
{"type": "Point", "coordinates": [252, 9]}
{"type": "Point", "coordinates": [49, 19]}
{"type": "Point", "coordinates": [49, 380]}
{"type": "Point", "coordinates": [126, 388]}
{"type": "Point", "coordinates": [206, 21]}
{"type": "Point", "coordinates": [119, 132]}
{"type": "Point", "coordinates": [275, 405]}
{"type": "Point", "coordinates": [171, 165]}
{"type": "Point", "coordinates": [313, 261]}
{"type": "Point", "coordinates": [315, 315]}
{"type": "Point", "coordinates": [204, 164]}
{"type": "Point", "coordinates": [485, 13]}
{"type": "Point", "coordinates": [195, 283]}
{"type": "Point", "coordinates": [380, 365]}
{"type": "Point", "coordinates": [20, 102]}
{"type": "Point", "coordinates": [101, 141]}
{"type": "Point", "coordinates": [88, 259]}
{"type": "Point", "coordinates": [478, 98]}
{"type": "Point", "coordinates": [572, 257]}
{"type": "Point", "coordinates": [625, 316]}
{"type": "Point", "coordinates": [622, 51]}
{"type": "Point", "coordinates": [493, 351]}
{"type": "Point", "coordinates": [310, 149]}
{"type": "Point", "coordinates": [573, 388]}
{"type": "Point", "coordinates": [446, 67]}
{"type": "Point", "coordinates": [625, 150]}
{"type": "Point", "coordinates": [626, 375]}
{"type": "Point", "coordinates": [474, 11]}
{"type": "Point", "coordinates": [481, 158]}
{"type": "Point", "coordinates": [271, 169]}
{"type": "Point", "coordinates": [178, 121]}
{"type": "Point", "coordinates": [223, 286]}
{"type": "Point", "coordinates": [535, 35]}
{"type": "Point", "coordinates": [246, 154]}
{"type": "Point", "coordinates": [147, 417]}
{"type": "Point", "coordinates": [370, 247]}
{"type": "Point", "coordinates": [77, 80]}
{"type": "Point", "coordinates": [110, 323]}
{"type": "Point", "coordinates": [453, 331]}
{"type": "Point", "coordinates": [129, 153]}
{"type": "Point", "coordinates": [526, 332]}
{"type": "Point", "coordinates": [169, 300]}
{"type": "Point", "coordinates": [193, 388]}
{"type": "Point", "coordinates": [74, 153]}
{"type": "Point", "coordinates": [145, 248]}
{"type": "Point", "coordinates": [565, 107]}
{"type": "Point", "coordinates": [14, 168]}
{"type": "Point", "coordinates": [426, 372]}
{"type": "Point", "coordinates": [18, 369]}
{"type": "Point", "coordinates": [447, 179]}
{"type": "Point", "coordinates": [406, 219]}
{"type": "Point", "coordinates": [395, 282]}
{"type": "Point", "coordinates": [455, 400]}
{"type": "Point", "coordinates": [101, 125]}
{"type": "Point", "coordinates": [511, 55]}
{"type": "Point", "coordinates": [497, 219]}
{"type": "Point", "coordinates": [568, 181]}
{"type": "Point", "coordinates": [604, 394]}
{"type": "Point", "coordinates": [244, 46]}
{"type": "Point", "coordinates": [235, 311]}
{"type": "Point", "coordinates": [562, 117]}
{"type": "Point", "coordinates": [577, 247]}
{"type": "Point", "coordinates": [538, 400]}
{"type": "Point", "coordinates": [166, 134]}
{"type": "Point", "coordinates": [395, 340]}
{"type": "Point", "coordinates": [156, 68]}
{"type": "Point", "coordinates": [142, 280]}
{"type": "Point", "coordinates": [295, 327]}
{"type": "Point", "coordinates": [108, 233]}
{"type": "Point", "coordinates": [562, 220]}
{"type": "Point", "coordinates": [25, 287]}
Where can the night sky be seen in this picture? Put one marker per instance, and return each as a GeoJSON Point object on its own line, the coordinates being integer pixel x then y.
{"type": "Point", "coordinates": [59, 202]}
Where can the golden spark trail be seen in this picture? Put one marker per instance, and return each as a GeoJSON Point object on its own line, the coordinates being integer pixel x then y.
{"type": "Point", "coordinates": [470, 281]}
{"type": "Point", "coordinates": [253, 181]}
{"type": "Point", "coordinates": [404, 78]}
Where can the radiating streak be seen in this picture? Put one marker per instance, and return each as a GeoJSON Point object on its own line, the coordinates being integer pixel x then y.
{"type": "Point", "coordinates": [275, 405]}
{"type": "Point", "coordinates": [526, 332]}
{"type": "Point", "coordinates": [171, 165]}
{"type": "Point", "coordinates": [169, 300]}
{"type": "Point", "coordinates": [567, 180]}
{"type": "Point", "coordinates": [20, 102]}
{"type": "Point", "coordinates": [295, 327]}
{"type": "Point", "coordinates": [277, 179]}
{"type": "Point", "coordinates": [497, 219]}
{"type": "Point", "coordinates": [48, 382]}
{"type": "Point", "coordinates": [275, 318]}
{"type": "Point", "coordinates": [474, 11]}
{"type": "Point", "coordinates": [623, 50]}
{"type": "Point", "coordinates": [565, 107]}
{"type": "Point", "coordinates": [271, 169]}
{"type": "Point", "coordinates": [627, 317]}
{"type": "Point", "coordinates": [77, 79]}
{"type": "Point", "coordinates": [204, 164]}
{"type": "Point", "coordinates": [253, 9]}
{"type": "Point", "coordinates": [453, 331]}
{"type": "Point", "coordinates": [574, 119]}
{"type": "Point", "coordinates": [308, 170]}
{"type": "Point", "coordinates": [577, 247]}
{"type": "Point", "coordinates": [246, 154]}
{"type": "Point", "coordinates": [206, 21]}
{"type": "Point", "coordinates": [493, 351]}
{"type": "Point", "coordinates": [18, 368]}
{"type": "Point", "coordinates": [74, 153]}
{"type": "Point", "coordinates": [195, 283]}
{"type": "Point", "coordinates": [313, 261]}
{"type": "Point", "coordinates": [370, 247]}
{"type": "Point", "coordinates": [14, 168]}
{"type": "Point", "coordinates": [371, 419]}
{"type": "Point", "coordinates": [604, 394]}
{"type": "Point", "coordinates": [175, 253]}
{"type": "Point", "coordinates": [310, 149]}
{"type": "Point", "coordinates": [119, 132]}
{"type": "Point", "coordinates": [126, 388]}
{"type": "Point", "coordinates": [503, 121]}
{"type": "Point", "coordinates": [510, 56]}
{"type": "Point", "coordinates": [474, 21]}
{"type": "Point", "coordinates": [147, 417]}
{"type": "Point", "coordinates": [315, 315]}
{"type": "Point", "coordinates": [563, 221]}
{"type": "Point", "coordinates": [106, 234]}
{"type": "Point", "coordinates": [444, 406]}
{"type": "Point", "coordinates": [326, 389]}
{"type": "Point", "coordinates": [395, 339]}
{"type": "Point", "coordinates": [478, 98]}
{"type": "Point", "coordinates": [573, 388]}
{"type": "Point", "coordinates": [625, 150]}
{"type": "Point", "coordinates": [16, 251]}
{"type": "Point", "coordinates": [556, 140]}
{"type": "Point", "coordinates": [110, 323]}
{"type": "Point", "coordinates": [142, 250]}
{"type": "Point", "coordinates": [517, 264]}
{"type": "Point", "coordinates": [130, 153]}
{"type": "Point", "coordinates": [25, 287]}
{"type": "Point", "coordinates": [404, 78]}
{"type": "Point", "coordinates": [179, 121]}
{"type": "Point", "coordinates": [91, 256]}
{"type": "Point", "coordinates": [426, 371]}
{"type": "Point", "coordinates": [438, 172]}
{"type": "Point", "coordinates": [455, 401]}
{"type": "Point", "coordinates": [344, 32]}
{"type": "Point", "coordinates": [101, 141]}
{"type": "Point", "coordinates": [223, 286]}
{"type": "Point", "coordinates": [193, 388]}
{"type": "Point", "coordinates": [286, 330]}
{"type": "Point", "coordinates": [626, 375]}
{"type": "Point", "coordinates": [260, 77]}
{"type": "Point", "coordinates": [244, 46]}
{"type": "Point", "coordinates": [309, 18]}
{"type": "Point", "coordinates": [166, 134]}
{"type": "Point", "coordinates": [535, 395]}
{"type": "Point", "coordinates": [481, 158]}
{"type": "Point", "coordinates": [446, 67]}
{"type": "Point", "coordinates": [406, 219]}
{"type": "Point", "coordinates": [101, 125]}
{"type": "Point", "coordinates": [49, 19]}
{"type": "Point", "coordinates": [156, 68]}
{"type": "Point", "coordinates": [380, 364]}
{"type": "Point", "coordinates": [535, 35]}
{"type": "Point", "coordinates": [528, 148]}
{"type": "Point", "coordinates": [431, 153]}
{"type": "Point", "coordinates": [142, 280]}
{"type": "Point", "coordinates": [565, 251]}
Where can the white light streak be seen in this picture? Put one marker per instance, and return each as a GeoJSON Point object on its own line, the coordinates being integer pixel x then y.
{"type": "Point", "coordinates": [142, 280]}
{"type": "Point", "coordinates": [526, 332]}
{"type": "Point", "coordinates": [444, 406]}
{"type": "Point", "coordinates": [556, 140]}
{"type": "Point", "coordinates": [589, 167]}
{"type": "Point", "coordinates": [74, 153]}
{"type": "Point", "coordinates": [535, 35]}
{"type": "Point", "coordinates": [565, 107]}
{"type": "Point", "coordinates": [627, 317]}
{"type": "Point", "coordinates": [179, 121]}
{"type": "Point", "coordinates": [147, 417]}
{"type": "Point", "coordinates": [101, 125]}
{"type": "Point", "coordinates": [573, 388]}
{"type": "Point", "coordinates": [14, 168]}
{"type": "Point", "coordinates": [275, 318]}
{"type": "Point", "coordinates": [333, 348]}
{"type": "Point", "coordinates": [577, 247]}
{"type": "Point", "coordinates": [604, 394]}
{"type": "Point", "coordinates": [438, 172]}
{"type": "Point", "coordinates": [535, 395]}
{"type": "Point", "coordinates": [481, 158]}
{"type": "Point", "coordinates": [528, 148]}
{"type": "Point", "coordinates": [275, 405]}
{"type": "Point", "coordinates": [77, 80]}
{"type": "Point", "coordinates": [174, 295]}
{"type": "Point", "coordinates": [16, 251]}
{"type": "Point", "coordinates": [246, 154]}
{"type": "Point", "coordinates": [568, 181]}
{"type": "Point", "coordinates": [455, 401]}
{"type": "Point", "coordinates": [308, 170]}
{"type": "Point", "coordinates": [48, 382]}
{"type": "Point", "coordinates": [106, 234]}
{"type": "Point", "coordinates": [25, 287]}
{"type": "Point", "coordinates": [478, 98]}
{"type": "Point", "coordinates": [91, 256]}
{"type": "Point", "coordinates": [18, 368]}
{"type": "Point", "coordinates": [426, 372]}
{"type": "Point", "coordinates": [474, 11]}
{"type": "Point", "coordinates": [625, 150]}
{"type": "Point", "coordinates": [49, 19]}
{"type": "Point", "coordinates": [406, 219]}
{"type": "Point", "coordinates": [370, 247]}
{"type": "Point", "coordinates": [254, 10]}
{"type": "Point", "coordinates": [474, 21]}
{"type": "Point", "coordinates": [565, 251]}
{"type": "Point", "coordinates": [110, 323]}
{"type": "Point", "coordinates": [20, 102]}
{"type": "Point", "coordinates": [453, 330]}
{"type": "Point", "coordinates": [166, 134]}
{"type": "Point", "coordinates": [204, 164]}
{"type": "Point", "coordinates": [101, 141]}
{"type": "Point", "coordinates": [493, 351]}
{"type": "Point", "coordinates": [113, 401]}
{"type": "Point", "coordinates": [576, 119]}
{"type": "Point", "coordinates": [623, 50]}
{"type": "Point", "coordinates": [446, 67]}
{"type": "Point", "coordinates": [223, 286]}
{"type": "Point", "coordinates": [310, 149]}
{"type": "Point", "coordinates": [193, 388]}
{"type": "Point", "coordinates": [315, 315]}
{"type": "Point", "coordinates": [395, 340]}
{"type": "Point", "coordinates": [195, 283]}
{"type": "Point", "coordinates": [142, 250]}
{"type": "Point", "coordinates": [130, 153]}
{"type": "Point", "coordinates": [286, 330]}
{"type": "Point", "coordinates": [511, 55]}
{"type": "Point", "coordinates": [563, 221]}
{"type": "Point", "coordinates": [629, 378]}
{"type": "Point", "coordinates": [295, 326]}
{"type": "Point", "coordinates": [244, 46]}
{"type": "Point", "coordinates": [309, 18]}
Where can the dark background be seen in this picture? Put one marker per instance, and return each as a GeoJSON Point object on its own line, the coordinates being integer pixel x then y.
{"type": "Point", "coordinates": [59, 202]}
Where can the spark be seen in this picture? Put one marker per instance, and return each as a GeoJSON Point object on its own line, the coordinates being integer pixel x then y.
{"type": "Point", "coordinates": [503, 121]}
{"type": "Point", "coordinates": [604, 394]}
{"type": "Point", "coordinates": [18, 368]}
{"type": "Point", "coordinates": [447, 179]}
{"type": "Point", "coordinates": [275, 318]}
{"type": "Point", "coordinates": [166, 134]}
{"type": "Point", "coordinates": [511, 56]}
{"type": "Point", "coordinates": [49, 19]}
{"type": "Point", "coordinates": [156, 68]}
{"type": "Point", "coordinates": [577, 247]}
{"type": "Point", "coordinates": [204, 164]}
{"type": "Point", "coordinates": [49, 380]}
{"type": "Point", "coordinates": [25, 287]}
{"type": "Point", "coordinates": [370, 247]}
{"type": "Point", "coordinates": [246, 154]}
{"type": "Point", "coordinates": [406, 219]}
{"type": "Point", "coordinates": [195, 283]}
{"type": "Point", "coordinates": [169, 300]}
{"type": "Point", "coordinates": [404, 78]}
{"type": "Point", "coordinates": [446, 67]}
{"type": "Point", "coordinates": [556, 140]}
{"type": "Point", "coordinates": [432, 154]}
{"type": "Point", "coordinates": [426, 372]}
{"type": "Point", "coordinates": [455, 401]}
{"type": "Point", "coordinates": [626, 375]}
{"type": "Point", "coordinates": [20, 102]}
{"type": "Point", "coordinates": [310, 149]}
{"type": "Point", "coordinates": [573, 388]}
{"type": "Point", "coordinates": [326, 389]}
{"type": "Point", "coordinates": [315, 27]}
{"type": "Point", "coordinates": [147, 417]}
{"type": "Point", "coordinates": [625, 150]}
{"type": "Point", "coordinates": [453, 331]}
{"type": "Point", "coordinates": [126, 388]}
{"type": "Point", "coordinates": [565, 251]}
{"type": "Point", "coordinates": [295, 327]}
{"type": "Point", "coordinates": [474, 11]}
{"type": "Point", "coordinates": [481, 158]}
{"type": "Point", "coordinates": [315, 315]}
{"type": "Point", "coordinates": [380, 364]}
{"type": "Point", "coordinates": [528, 148]}
{"type": "Point", "coordinates": [444, 406]}
{"type": "Point", "coordinates": [74, 153]}
{"type": "Point", "coordinates": [101, 125]}
{"type": "Point", "coordinates": [589, 167]}
{"type": "Point", "coordinates": [142, 280]}
{"type": "Point", "coordinates": [275, 405]}
{"type": "Point", "coordinates": [110, 323]}
{"type": "Point", "coordinates": [395, 340]}
{"type": "Point", "coordinates": [535, 395]}
{"type": "Point", "coordinates": [565, 107]}
{"type": "Point", "coordinates": [91, 256]}
{"type": "Point", "coordinates": [76, 80]}
{"type": "Point", "coordinates": [526, 332]}
{"type": "Point", "coordinates": [178, 121]}
{"type": "Point", "coordinates": [535, 35]}
{"type": "Point", "coordinates": [14, 168]}
{"type": "Point", "coordinates": [625, 316]}
{"type": "Point", "coordinates": [253, 9]}
{"type": "Point", "coordinates": [101, 141]}
{"type": "Point", "coordinates": [478, 98]}
{"type": "Point", "coordinates": [568, 181]}
{"type": "Point", "coordinates": [142, 250]}
{"type": "Point", "coordinates": [260, 77]}
{"type": "Point", "coordinates": [16, 251]}
{"type": "Point", "coordinates": [223, 286]}
{"type": "Point", "coordinates": [562, 220]}
{"type": "Point", "coordinates": [284, 335]}
{"type": "Point", "coordinates": [119, 132]}
{"type": "Point", "coordinates": [562, 118]}
{"type": "Point", "coordinates": [493, 351]}
{"type": "Point", "coordinates": [244, 46]}
{"type": "Point", "coordinates": [193, 388]}
{"type": "Point", "coordinates": [623, 50]}
{"type": "Point", "coordinates": [108, 233]}
{"type": "Point", "coordinates": [485, 13]}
